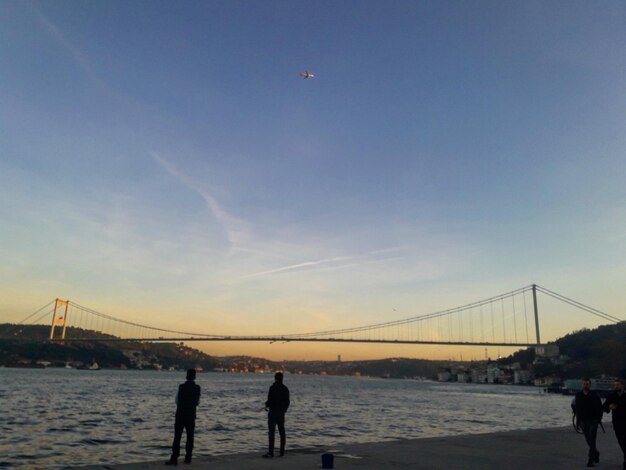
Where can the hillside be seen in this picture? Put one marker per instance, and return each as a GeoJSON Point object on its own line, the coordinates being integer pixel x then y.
{"type": "Point", "coordinates": [595, 352]}
{"type": "Point", "coordinates": [588, 353]}
{"type": "Point", "coordinates": [15, 349]}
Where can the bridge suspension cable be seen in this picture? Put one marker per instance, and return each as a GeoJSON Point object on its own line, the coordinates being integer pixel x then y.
{"type": "Point", "coordinates": [574, 303]}
{"type": "Point", "coordinates": [47, 312]}
{"type": "Point", "coordinates": [14, 330]}
{"type": "Point", "coordinates": [500, 320]}
{"type": "Point", "coordinates": [129, 323]}
{"type": "Point", "coordinates": [405, 321]}
{"type": "Point", "coordinates": [460, 327]}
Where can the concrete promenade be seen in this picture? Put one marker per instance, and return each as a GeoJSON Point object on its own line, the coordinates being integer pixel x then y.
{"type": "Point", "coordinates": [553, 448]}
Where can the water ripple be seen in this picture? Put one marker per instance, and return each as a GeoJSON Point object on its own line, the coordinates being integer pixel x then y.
{"type": "Point", "coordinates": [120, 416]}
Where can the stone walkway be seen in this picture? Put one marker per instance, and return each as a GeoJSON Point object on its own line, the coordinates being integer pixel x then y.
{"type": "Point", "coordinates": [554, 448]}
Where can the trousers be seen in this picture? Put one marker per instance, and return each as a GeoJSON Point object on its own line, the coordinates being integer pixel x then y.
{"type": "Point", "coordinates": [276, 419]}
{"type": "Point", "coordinates": [590, 430]}
{"type": "Point", "coordinates": [189, 425]}
{"type": "Point", "coordinates": [620, 434]}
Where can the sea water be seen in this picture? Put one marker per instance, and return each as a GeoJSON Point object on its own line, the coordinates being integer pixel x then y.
{"type": "Point", "coordinates": [66, 417]}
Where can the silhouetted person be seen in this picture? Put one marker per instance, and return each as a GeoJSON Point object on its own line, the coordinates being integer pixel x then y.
{"type": "Point", "coordinates": [588, 409]}
{"type": "Point", "coordinates": [616, 405]}
{"type": "Point", "coordinates": [277, 404]}
{"type": "Point", "coordinates": [187, 400]}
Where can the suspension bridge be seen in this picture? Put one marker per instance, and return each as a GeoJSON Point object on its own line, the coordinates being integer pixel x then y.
{"type": "Point", "coordinates": [510, 319]}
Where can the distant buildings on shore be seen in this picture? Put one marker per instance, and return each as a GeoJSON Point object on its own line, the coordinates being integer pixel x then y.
{"type": "Point", "coordinates": [488, 373]}
{"type": "Point", "coordinates": [515, 373]}
{"type": "Point", "coordinates": [542, 367]}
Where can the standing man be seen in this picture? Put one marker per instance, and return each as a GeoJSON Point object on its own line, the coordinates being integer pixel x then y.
{"type": "Point", "coordinates": [277, 404]}
{"type": "Point", "coordinates": [616, 403]}
{"type": "Point", "coordinates": [588, 409]}
{"type": "Point", "coordinates": [187, 400]}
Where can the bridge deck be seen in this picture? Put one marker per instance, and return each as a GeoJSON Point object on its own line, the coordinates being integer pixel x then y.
{"type": "Point", "coordinates": [282, 339]}
{"type": "Point", "coordinates": [554, 448]}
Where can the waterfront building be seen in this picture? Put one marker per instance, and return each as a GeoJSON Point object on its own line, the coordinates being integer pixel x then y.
{"type": "Point", "coordinates": [548, 381]}
{"type": "Point", "coordinates": [463, 377]}
{"type": "Point", "coordinates": [493, 375]}
{"type": "Point", "coordinates": [444, 376]}
{"type": "Point", "coordinates": [547, 350]}
{"type": "Point", "coordinates": [521, 377]}
{"type": "Point", "coordinates": [479, 375]}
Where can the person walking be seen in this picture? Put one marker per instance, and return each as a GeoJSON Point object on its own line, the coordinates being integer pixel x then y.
{"type": "Point", "coordinates": [277, 404]}
{"type": "Point", "coordinates": [588, 408]}
{"type": "Point", "coordinates": [187, 400]}
{"type": "Point", "coordinates": [616, 405]}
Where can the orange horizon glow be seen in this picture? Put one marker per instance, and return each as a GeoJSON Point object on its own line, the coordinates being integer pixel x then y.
{"type": "Point", "coordinates": [555, 319]}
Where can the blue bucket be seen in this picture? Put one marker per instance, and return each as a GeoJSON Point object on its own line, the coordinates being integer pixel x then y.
{"type": "Point", "coordinates": [328, 460]}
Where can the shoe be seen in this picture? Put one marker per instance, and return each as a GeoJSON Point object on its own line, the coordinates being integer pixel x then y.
{"type": "Point", "coordinates": [269, 455]}
{"type": "Point", "coordinates": [187, 460]}
{"type": "Point", "coordinates": [282, 454]}
{"type": "Point", "coordinates": [590, 463]}
{"type": "Point", "coordinates": [172, 462]}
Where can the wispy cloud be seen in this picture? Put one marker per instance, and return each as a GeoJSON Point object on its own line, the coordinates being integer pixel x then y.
{"type": "Point", "coordinates": [333, 262]}
{"type": "Point", "coordinates": [306, 264]}
{"type": "Point", "coordinates": [77, 54]}
{"type": "Point", "coordinates": [231, 225]}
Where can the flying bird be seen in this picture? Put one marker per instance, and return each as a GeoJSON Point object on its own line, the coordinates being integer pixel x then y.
{"type": "Point", "coordinates": [306, 74]}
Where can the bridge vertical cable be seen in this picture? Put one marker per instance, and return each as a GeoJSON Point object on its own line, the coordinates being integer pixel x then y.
{"type": "Point", "coordinates": [457, 325]}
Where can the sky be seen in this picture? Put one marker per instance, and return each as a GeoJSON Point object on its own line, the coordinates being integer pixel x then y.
{"type": "Point", "coordinates": [164, 162]}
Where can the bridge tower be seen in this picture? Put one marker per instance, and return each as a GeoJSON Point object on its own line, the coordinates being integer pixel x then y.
{"type": "Point", "coordinates": [536, 314]}
{"type": "Point", "coordinates": [59, 317]}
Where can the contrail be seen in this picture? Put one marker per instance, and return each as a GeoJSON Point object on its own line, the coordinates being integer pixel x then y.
{"type": "Point", "coordinates": [230, 224]}
{"type": "Point", "coordinates": [306, 264]}
{"type": "Point", "coordinates": [326, 261]}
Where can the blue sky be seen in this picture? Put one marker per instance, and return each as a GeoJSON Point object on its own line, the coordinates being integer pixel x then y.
{"type": "Point", "coordinates": [163, 161]}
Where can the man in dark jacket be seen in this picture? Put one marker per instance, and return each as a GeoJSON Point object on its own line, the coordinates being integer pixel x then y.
{"type": "Point", "coordinates": [277, 404]}
{"type": "Point", "coordinates": [187, 400]}
{"type": "Point", "coordinates": [616, 404]}
{"type": "Point", "coordinates": [588, 409]}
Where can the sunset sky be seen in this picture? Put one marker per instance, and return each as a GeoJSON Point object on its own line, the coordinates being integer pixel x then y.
{"type": "Point", "coordinates": [163, 162]}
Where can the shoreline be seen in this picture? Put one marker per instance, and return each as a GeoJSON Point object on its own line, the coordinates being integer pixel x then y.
{"type": "Point", "coordinates": [553, 448]}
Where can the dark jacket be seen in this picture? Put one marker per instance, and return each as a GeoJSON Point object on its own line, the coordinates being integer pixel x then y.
{"type": "Point", "coordinates": [278, 398]}
{"type": "Point", "coordinates": [619, 414]}
{"type": "Point", "coordinates": [187, 400]}
{"type": "Point", "coordinates": [588, 407]}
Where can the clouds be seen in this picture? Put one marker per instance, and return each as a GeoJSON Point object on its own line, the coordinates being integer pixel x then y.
{"type": "Point", "coordinates": [228, 223]}
{"type": "Point", "coordinates": [77, 54]}
{"type": "Point", "coordinates": [337, 262]}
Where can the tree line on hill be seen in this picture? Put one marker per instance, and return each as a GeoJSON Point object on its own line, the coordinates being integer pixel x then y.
{"type": "Point", "coordinates": [595, 352]}
{"type": "Point", "coordinates": [28, 344]}
{"type": "Point", "coordinates": [589, 353]}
